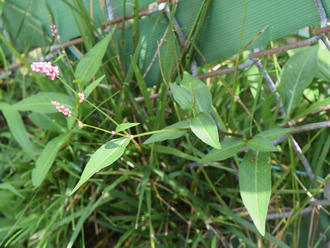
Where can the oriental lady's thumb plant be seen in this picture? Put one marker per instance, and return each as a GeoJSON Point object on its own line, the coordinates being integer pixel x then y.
{"type": "Point", "coordinates": [77, 105]}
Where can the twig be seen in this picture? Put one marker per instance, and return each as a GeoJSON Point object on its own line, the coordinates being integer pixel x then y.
{"type": "Point", "coordinates": [322, 13]}
{"type": "Point", "coordinates": [295, 145]}
{"type": "Point", "coordinates": [288, 214]}
{"type": "Point", "coordinates": [271, 85]}
{"type": "Point", "coordinates": [311, 126]}
{"type": "Point", "coordinates": [322, 30]}
{"type": "Point", "coordinates": [226, 70]}
{"type": "Point", "coordinates": [302, 158]}
{"type": "Point", "coordinates": [324, 22]}
{"type": "Point", "coordinates": [287, 47]}
{"type": "Point", "coordinates": [294, 122]}
{"type": "Point", "coordinates": [302, 212]}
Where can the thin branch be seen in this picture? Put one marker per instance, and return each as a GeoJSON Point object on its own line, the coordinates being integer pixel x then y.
{"type": "Point", "coordinates": [311, 126]}
{"type": "Point", "coordinates": [318, 31]}
{"type": "Point", "coordinates": [295, 145]}
{"type": "Point", "coordinates": [302, 158]}
{"type": "Point", "coordinates": [288, 214]}
{"type": "Point", "coordinates": [226, 70]}
{"type": "Point", "coordinates": [302, 212]}
{"type": "Point", "coordinates": [286, 48]}
{"type": "Point", "coordinates": [322, 13]}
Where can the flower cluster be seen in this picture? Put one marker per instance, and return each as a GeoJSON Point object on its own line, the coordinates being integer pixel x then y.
{"type": "Point", "coordinates": [82, 97]}
{"type": "Point", "coordinates": [54, 31]}
{"type": "Point", "coordinates": [62, 108]}
{"type": "Point", "coordinates": [46, 68]}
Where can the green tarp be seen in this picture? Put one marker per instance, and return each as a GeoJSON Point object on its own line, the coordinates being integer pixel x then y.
{"type": "Point", "coordinates": [27, 23]}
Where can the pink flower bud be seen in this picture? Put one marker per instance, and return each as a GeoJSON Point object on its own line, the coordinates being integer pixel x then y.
{"type": "Point", "coordinates": [53, 30]}
{"type": "Point", "coordinates": [82, 97]}
{"type": "Point", "coordinates": [80, 124]}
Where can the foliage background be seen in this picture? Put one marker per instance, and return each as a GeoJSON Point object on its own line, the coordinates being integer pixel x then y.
{"type": "Point", "coordinates": [156, 195]}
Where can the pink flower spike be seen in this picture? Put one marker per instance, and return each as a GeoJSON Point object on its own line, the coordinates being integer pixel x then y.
{"type": "Point", "coordinates": [53, 30]}
{"type": "Point", "coordinates": [62, 108]}
{"type": "Point", "coordinates": [82, 97]}
{"type": "Point", "coordinates": [46, 68]}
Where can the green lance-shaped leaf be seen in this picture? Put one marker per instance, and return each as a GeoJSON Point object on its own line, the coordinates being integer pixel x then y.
{"type": "Point", "coordinates": [199, 91]}
{"type": "Point", "coordinates": [274, 134]}
{"type": "Point", "coordinates": [169, 135]}
{"type": "Point", "coordinates": [255, 186]}
{"type": "Point", "coordinates": [93, 85]}
{"type": "Point", "coordinates": [229, 148]}
{"type": "Point", "coordinates": [125, 126]}
{"type": "Point", "coordinates": [46, 158]}
{"type": "Point", "coordinates": [12, 189]}
{"type": "Point", "coordinates": [91, 61]}
{"type": "Point", "coordinates": [41, 103]}
{"type": "Point", "coordinates": [260, 144]}
{"type": "Point", "coordinates": [17, 128]}
{"type": "Point", "coordinates": [103, 157]}
{"type": "Point", "coordinates": [297, 74]}
{"type": "Point", "coordinates": [51, 122]}
{"type": "Point", "coordinates": [182, 96]}
{"type": "Point", "coordinates": [204, 127]}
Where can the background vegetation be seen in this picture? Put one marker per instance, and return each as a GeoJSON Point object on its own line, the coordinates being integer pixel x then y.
{"type": "Point", "coordinates": [175, 190]}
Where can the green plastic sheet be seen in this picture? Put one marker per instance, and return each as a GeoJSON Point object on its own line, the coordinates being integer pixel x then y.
{"type": "Point", "coordinates": [27, 24]}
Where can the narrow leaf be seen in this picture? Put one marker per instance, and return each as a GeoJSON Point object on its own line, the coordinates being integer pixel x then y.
{"type": "Point", "coordinates": [40, 103]}
{"type": "Point", "coordinates": [229, 148]}
{"type": "Point", "coordinates": [93, 85]}
{"type": "Point", "coordinates": [125, 126]}
{"type": "Point", "coordinates": [169, 135]}
{"type": "Point", "coordinates": [103, 157]}
{"type": "Point", "coordinates": [144, 182]}
{"type": "Point", "coordinates": [255, 187]}
{"type": "Point", "coordinates": [274, 134]}
{"type": "Point", "coordinates": [314, 107]}
{"type": "Point", "coordinates": [9, 187]}
{"type": "Point", "coordinates": [90, 63]}
{"type": "Point", "coordinates": [182, 96]}
{"type": "Point", "coordinates": [51, 122]}
{"type": "Point", "coordinates": [201, 93]}
{"type": "Point", "coordinates": [261, 144]}
{"type": "Point", "coordinates": [296, 76]}
{"type": "Point", "coordinates": [46, 158]}
{"type": "Point", "coordinates": [17, 128]}
{"type": "Point", "coordinates": [204, 127]}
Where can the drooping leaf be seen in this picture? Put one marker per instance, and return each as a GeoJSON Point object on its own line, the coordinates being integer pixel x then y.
{"type": "Point", "coordinates": [51, 122]}
{"type": "Point", "coordinates": [201, 93]}
{"type": "Point", "coordinates": [103, 157]}
{"type": "Point", "coordinates": [46, 158]}
{"type": "Point", "coordinates": [274, 134]}
{"type": "Point", "coordinates": [204, 127]}
{"type": "Point", "coordinates": [296, 76]}
{"type": "Point", "coordinates": [17, 128]}
{"type": "Point", "coordinates": [41, 103]}
{"type": "Point", "coordinates": [255, 187]}
{"type": "Point", "coordinates": [228, 149]}
{"type": "Point", "coordinates": [182, 96]}
{"type": "Point", "coordinates": [261, 144]}
{"type": "Point", "coordinates": [93, 85]}
{"type": "Point", "coordinates": [7, 186]}
{"type": "Point", "coordinates": [323, 62]}
{"type": "Point", "coordinates": [169, 135]}
{"type": "Point", "coordinates": [125, 126]}
{"type": "Point", "coordinates": [90, 63]}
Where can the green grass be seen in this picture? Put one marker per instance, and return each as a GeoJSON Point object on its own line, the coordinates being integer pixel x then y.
{"type": "Point", "coordinates": [155, 195]}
